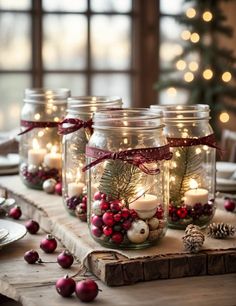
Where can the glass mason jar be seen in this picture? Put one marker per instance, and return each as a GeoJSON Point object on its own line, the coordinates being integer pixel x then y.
{"type": "Point", "coordinates": [76, 130]}
{"type": "Point", "coordinates": [127, 178]}
{"type": "Point", "coordinates": [192, 168]}
{"type": "Point", "coordinates": [40, 144]}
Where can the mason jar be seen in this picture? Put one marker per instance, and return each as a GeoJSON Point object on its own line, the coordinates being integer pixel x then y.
{"type": "Point", "coordinates": [40, 144]}
{"type": "Point", "coordinates": [76, 129]}
{"type": "Point", "coordinates": [192, 168]}
{"type": "Point", "coordinates": [127, 164]}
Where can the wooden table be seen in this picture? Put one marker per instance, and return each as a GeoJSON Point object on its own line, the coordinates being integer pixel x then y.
{"type": "Point", "coordinates": [34, 285]}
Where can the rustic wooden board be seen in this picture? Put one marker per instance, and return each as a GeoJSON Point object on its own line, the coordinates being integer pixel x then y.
{"type": "Point", "coordinates": [117, 270]}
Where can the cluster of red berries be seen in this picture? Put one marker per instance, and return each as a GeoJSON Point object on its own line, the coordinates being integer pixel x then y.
{"type": "Point", "coordinates": [78, 204]}
{"type": "Point", "coordinates": [38, 176]}
{"type": "Point", "coordinates": [190, 212]}
{"type": "Point", "coordinates": [110, 218]}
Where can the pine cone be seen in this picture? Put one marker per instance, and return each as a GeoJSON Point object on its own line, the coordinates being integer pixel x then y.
{"type": "Point", "coordinates": [220, 230]}
{"type": "Point", "coordinates": [193, 239]}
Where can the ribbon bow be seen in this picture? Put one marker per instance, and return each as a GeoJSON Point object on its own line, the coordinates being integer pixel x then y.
{"type": "Point", "coordinates": [75, 125]}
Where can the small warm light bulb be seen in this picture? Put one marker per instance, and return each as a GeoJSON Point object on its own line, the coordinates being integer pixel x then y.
{"type": "Point", "coordinates": [37, 116]}
{"type": "Point", "coordinates": [193, 184]}
{"type": "Point", "coordinates": [198, 151]}
{"type": "Point", "coordinates": [226, 76]}
{"type": "Point", "coordinates": [172, 179]}
{"type": "Point", "coordinates": [40, 133]}
{"type": "Point", "coordinates": [177, 154]}
{"type": "Point", "coordinates": [35, 144]}
{"type": "Point", "coordinates": [49, 146]}
{"type": "Point", "coordinates": [125, 140]}
{"type": "Point", "coordinates": [193, 66]}
{"type": "Point", "coordinates": [195, 37]}
{"type": "Point", "coordinates": [54, 149]}
{"type": "Point", "coordinates": [56, 119]}
{"type": "Point", "coordinates": [191, 12]}
{"type": "Point", "coordinates": [171, 91]}
{"type": "Point", "coordinates": [185, 35]}
{"type": "Point", "coordinates": [181, 65]}
{"type": "Point", "coordinates": [207, 74]}
{"type": "Point", "coordinates": [207, 16]}
{"type": "Point", "coordinates": [188, 77]}
{"type": "Point", "coordinates": [224, 117]}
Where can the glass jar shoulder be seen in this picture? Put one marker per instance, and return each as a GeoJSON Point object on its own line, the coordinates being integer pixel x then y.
{"type": "Point", "coordinates": [187, 129]}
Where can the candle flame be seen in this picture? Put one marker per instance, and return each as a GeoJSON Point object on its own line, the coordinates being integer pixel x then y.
{"type": "Point", "coordinates": [193, 184]}
{"type": "Point", "coordinates": [54, 149]}
{"type": "Point", "coordinates": [35, 144]}
{"type": "Point", "coordinates": [78, 175]}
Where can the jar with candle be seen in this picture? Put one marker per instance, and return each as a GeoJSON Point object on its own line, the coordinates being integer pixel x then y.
{"type": "Point", "coordinates": [76, 129]}
{"type": "Point", "coordinates": [40, 144]}
{"type": "Point", "coordinates": [127, 164]}
{"type": "Point", "coordinates": [192, 168]}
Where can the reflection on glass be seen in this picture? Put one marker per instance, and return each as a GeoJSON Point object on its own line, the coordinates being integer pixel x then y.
{"type": "Point", "coordinates": [111, 42]}
{"type": "Point", "coordinates": [113, 85]}
{"type": "Point", "coordinates": [65, 5]}
{"type": "Point", "coordinates": [15, 4]}
{"type": "Point", "coordinates": [120, 6]}
{"type": "Point", "coordinates": [64, 42]}
{"type": "Point", "coordinates": [76, 83]}
{"type": "Point", "coordinates": [171, 7]}
{"type": "Point", "coordinates": [15, 48]}
{"type": "Point", "coordinates": [11, 92]}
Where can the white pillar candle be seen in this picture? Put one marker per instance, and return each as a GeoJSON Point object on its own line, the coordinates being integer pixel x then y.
{"type": "Point", "coordinates": [195, 194]}
{"type": "Point", "coordinates": [36, 154]}
{"type": "Point", "coordinates": [145, 206]}
{"type": "Point", "coordinates": [53, 160]}
{"type": "Point", "coordinates": [75, 189]}
{"type": "Point", "coordinates": [198, 195]}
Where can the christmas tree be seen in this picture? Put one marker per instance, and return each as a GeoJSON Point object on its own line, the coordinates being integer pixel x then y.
{"type": "Point", "coordinates": [204, 68]}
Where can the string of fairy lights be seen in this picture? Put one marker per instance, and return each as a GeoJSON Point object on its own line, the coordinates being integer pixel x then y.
{"type": "Point", "coordinates": [190, 68]}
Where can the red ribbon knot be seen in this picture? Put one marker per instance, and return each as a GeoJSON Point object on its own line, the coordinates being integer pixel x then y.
{"type": "Point", "coordinates": [75, 124]}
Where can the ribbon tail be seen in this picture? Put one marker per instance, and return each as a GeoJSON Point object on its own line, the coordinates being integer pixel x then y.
{"type": "Point", "coordinates": [26, 131]}
{"type": "Point", "coordinates": [96, 161]}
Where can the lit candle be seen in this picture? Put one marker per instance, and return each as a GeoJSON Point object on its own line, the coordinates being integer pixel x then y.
{"type": "Point", "coordinates": [195, 194]}
{"type": "Point", "coordinates": [36, 154]}
{"type": "Point", "coordinates": [75, 189]}
{"type": "Point", "coordinates": [145, 206]}
{"type": "Point", "coordinates": [53, 159]}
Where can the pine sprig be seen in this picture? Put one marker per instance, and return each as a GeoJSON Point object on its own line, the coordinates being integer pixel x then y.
{"type": "Point", "coordinates": [119, 180]}
{"type": "Point", "coordinates": [188, 166]}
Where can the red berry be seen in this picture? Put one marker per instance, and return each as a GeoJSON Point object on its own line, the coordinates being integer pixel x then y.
{"type": "Point", "coordinates": [32, 226]}
{"type": "Point", "coordinates": [84, 200]}
{"type": "Point", "coordinates": [48, 244]}
{"type": "Point", "coordinates": [133, 214]}
{"type": "Point", "coordinates": [83, 206]}
{"type": "Point", "coordinates": [115, 206]}
{"type": "Point", "coordinates": [160, 213]}
{"type": "Point", "coordinates": [117, 217]}
{"type": "Point", "coordinates": [126, 224]}
{"type": "Point", "coordinates": [65, 259]}
{"type": "Point", "coordinates": [107, 231]}
{"type": "Point", "coordinates": [125, 213]}
{"type": "Point", "coordinates": [65, 286]}
{"type": "Point", "coordinates": [117, 238]}
{"type": "Point", "coordinates": [182, 212]}
{"type": "Point", "coordinates": [103, 196]}
{"type": "Point", "coordinates": [97, 221]}
{"type": "Point", "coordinates": [15, 212]}
{"type": "Point", "coordinates": [58, 188]}
{"type": "Point", "coordinates": [31, 256]}
{"type": "Point", "coordinates": [97, 195]}
{"type": "Point", "coordinates": [108, 218]}
{"type": "Point", "coordinates": [96, 231]}
{"type": "Point", "coordinates": [104, 205]}
{"type": "Point", "coordinates": [86, 290]}
{"type": "Point", "coordinates": [229, 204]}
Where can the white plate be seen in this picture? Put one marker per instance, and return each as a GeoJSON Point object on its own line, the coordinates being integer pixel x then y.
{"type": "Point", "coordinates": [10, 160]}
{"type": "Point", "coordinates": [225, 185]}
{"type": "Point", "coordinates": [15, 232]}
{"type": "Point", "coordinates": [3, 233]}
{"type": "Point", "coordinates": [225, 169]}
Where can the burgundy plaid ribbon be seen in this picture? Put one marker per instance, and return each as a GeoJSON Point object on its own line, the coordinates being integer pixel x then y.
{"type": "Point", "coordinates": [136, 157]}
{"type": "Point", "coordinates": [30, 125]}
{"type": "Point", "coordinates": [209, 141]}
{"type": "Point", "coordinates": [75, 125]}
